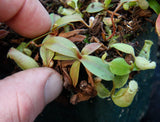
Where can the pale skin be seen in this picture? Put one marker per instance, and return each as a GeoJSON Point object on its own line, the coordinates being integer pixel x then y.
{"type": "Point", "coordinates": [24, 95]}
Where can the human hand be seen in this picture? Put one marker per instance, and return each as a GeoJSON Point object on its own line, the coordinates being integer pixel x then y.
{"type": "Point", "coordinates": [24, 94]}
{"type": "Point", "coordinates": [27, 17]}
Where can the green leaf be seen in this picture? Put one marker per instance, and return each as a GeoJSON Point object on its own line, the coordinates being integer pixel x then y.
{"type": "Point", "coordinates": [54, 18]}
{"type": "Point", "coordinates": [22, 60]}
{"type": "Point", "coordinates": [46, 54]}
{"type": "Point", "coordinates": [119, 66]}
{"type": "Point", "coordinates": [144, 64]}
{"type": "Point", "coordinates": [104, 56]}
{"type": "Point", "coordinates": [102, 91]}
{"type": "Point", "coordinates": [106, 3]}
{"type": "Point", "coordinates": [21, 46]}
{"type": "Point", "coordinates": [98, 67]}
{"type": "Point", "coordinates": [62, 46]}
{"type": "Point", "coordinates": [126, 6]}
{"type": "Point", "coordinates": [74, 72]}
{"type": "Point", "coordinates": [154, 5]}
{"type": "Point", "coordinates": [120, 81]}
{"type": "Point", "coordinates": [65, 11]}
{"type": "Point", "coordinates": [107, 21]}
{"type": "Point", "coordinates": [143, 4]}
{"type": "Point", "coordinates": [125, 96]}
{"type": "Point", "coordinates": [90, 48]}
{"type": "Point", "coordinates": [124, 48]}
{"type": "Point", "coordinates": [145, 51]}
{"type": "Point", "coordinates": [62, 57]}
{"type": "Point", "coordinates": [23, 49]}
{"type": "Point", "coordinates": [27, 51]}
{"type": "Point", "coordinates": [73, 3]}
{"type": "Point", "coordinates": [95, 7]}
{"type": "Point", "coordinates": [67, 19]}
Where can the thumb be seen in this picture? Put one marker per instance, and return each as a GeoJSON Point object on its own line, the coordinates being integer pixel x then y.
{"type": "Point", "coordinates": [24, 94]}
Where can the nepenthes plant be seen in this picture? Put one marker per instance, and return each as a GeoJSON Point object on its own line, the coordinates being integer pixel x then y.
{"type": "Point", "coordinates": [101, 51]}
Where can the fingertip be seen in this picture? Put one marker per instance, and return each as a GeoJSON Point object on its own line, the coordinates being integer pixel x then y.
{"type": "Point", "coordinates": [53, 87]}
{"type": "Point", "coordinates": [31, 21]}
{"type": "Point", "coordinates": [7, 13]}
{"type": "Point", "coordinates": [32, 89]}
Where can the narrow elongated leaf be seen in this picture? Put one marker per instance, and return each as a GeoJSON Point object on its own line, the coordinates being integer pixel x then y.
{"type": "Point", "coordinates": [98, 67]}
{"type": "Point", "coordinates": [22, 60]}
{"type": "Point", "coordinates": [62, 57]}
{"type": "Point", "coordinates": [154, 5]}
{"type": "Point", "coordinates": [104, 56]}
{"type": "Point", "coordinates": [62, 46]}
{"type": "Point", "coordinates": [90, 48]}
{"type": "Point", "coordinates": [124, 48]}
{"type": "Point", "coordinates": [67, 19]}
{"type": "Point", "coordinates": [74, 72]}
{"type": "Point", "coordinates": [120, 81]}
{"type": "Point", "coordinates": [119, 66]}
{"type": "Point", "coordinates": [102, 91]}
{"type": "Point", "coordinates": [95, 7]}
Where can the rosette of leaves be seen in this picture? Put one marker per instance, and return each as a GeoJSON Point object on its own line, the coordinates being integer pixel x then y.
{"type": "Point", "coordinates": [66, 50]}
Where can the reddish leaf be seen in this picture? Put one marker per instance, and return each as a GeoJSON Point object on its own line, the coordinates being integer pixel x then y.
{"type": "Point", "coordinates": [158, 25]}
{"type": "Point", "coordinates": [74, 35]}
{"type": "Point", "coordinates": [77, 38]}
{"type": "Point", "coordinates": [67, 79]}
{"type": "Point", "coordinates": [3, 33]}
{"type": "Point", "coordinates": [90, 48]}
{"type": "Point", "coordinates": [67, 63]}
{"type": "Point", "coordinates": [71, 33]}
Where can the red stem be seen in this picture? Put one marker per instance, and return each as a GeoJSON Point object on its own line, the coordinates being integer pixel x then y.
{"type": "Point", "coordinates": [114, 27]}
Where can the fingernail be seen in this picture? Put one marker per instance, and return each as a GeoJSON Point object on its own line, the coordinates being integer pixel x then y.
{"type": "Point", "coordinates": [53, 87]}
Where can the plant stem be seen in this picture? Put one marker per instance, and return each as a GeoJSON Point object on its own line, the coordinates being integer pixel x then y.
{"type": "Point", "coordinates": [114, 27]}
{"type": "Point", "coordinates": [35, 39]}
